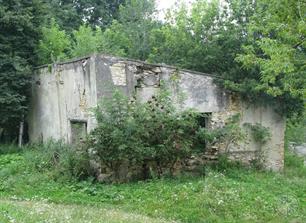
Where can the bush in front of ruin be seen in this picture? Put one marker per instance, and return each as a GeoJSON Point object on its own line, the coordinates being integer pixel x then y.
{"type": "Point", "coordinates": [150, 137]}
{"type": "Point", "coordinates": [133, 140]}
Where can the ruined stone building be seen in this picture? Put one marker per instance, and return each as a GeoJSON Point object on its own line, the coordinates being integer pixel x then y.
{"type": "Point", "coordinates": [63, 94]}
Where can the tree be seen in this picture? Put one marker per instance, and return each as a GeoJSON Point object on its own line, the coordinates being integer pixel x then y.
{"type": "Point", "coordinates": [64, 13]}
{"type": "Point", "coordinates": [99, 13]}
{"type": "Point", "coordinates": [20, 30]}
{"type": "Point", "coordinates": [137, 18]}
{"type": "Point", "coordinates": [206, 39]}
{"type": "Point", "coordinates": [54, 45]}
{"type": "Point", "coordinates": [257, 47]}
{"type": "Point", "coordinates": [203, 39]}
{"type": "Point", "coordinates": [130, 34]}
{"type": "Point", "coordinates": [70, 14]}
{"type": "Point", "coordinates": [114, 40]}
{"type": "Point", "coordinates": [86, 41]}
{"type": "Point", "coordinates": [277, 49]}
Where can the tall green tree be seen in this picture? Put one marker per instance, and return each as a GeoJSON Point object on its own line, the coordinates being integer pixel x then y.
{"type": "Point", "coordinates": [86, 41]}
{"type": "Point", "coordinates": [277, 49]}
{"type": "Point", "coordinates": [19, 33]}
{"type": "Point", "coordinates": [54, 45]}
{"type": "Point", "coordinates": [130, 34]}
{"type": "Point", "coordinates": [257, 47]}
{"type": "Point", "coordinates": [189, 39]}
{"type": "Point", "coordinates": [114, 40]}
{"type": "Point", "coordinates": [64, 13]}
{"type": "Point", "coordinates": [205, 39]}
{"type": "Point", "coordinates": [70, 14]}
{"type": "Point", "coordinates": [138, 20]}
{"type": "Point", "coordinates": [99, 12]}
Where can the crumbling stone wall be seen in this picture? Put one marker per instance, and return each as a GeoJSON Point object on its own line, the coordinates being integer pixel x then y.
{"type": "Point", "coordinates": [68, 91]}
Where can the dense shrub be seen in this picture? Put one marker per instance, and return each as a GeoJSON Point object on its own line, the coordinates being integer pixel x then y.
{"type": "Point", "coordinates": [140, 133]}
{"type": "Point", "coordinates": [59, 160]}
{"type": "Point", "coordinates": [153, 136]}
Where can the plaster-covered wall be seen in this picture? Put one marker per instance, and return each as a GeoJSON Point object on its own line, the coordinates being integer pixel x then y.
{"type": "Point", "coordinates": [68, 91]}
{"type": "Point", "coordinates": [271, 153]}
{"type": "Point", "coordinates": [61, 94]}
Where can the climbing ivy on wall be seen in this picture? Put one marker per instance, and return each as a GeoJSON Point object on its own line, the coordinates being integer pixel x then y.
{"type": "Point", "coordinates": [260, 133]}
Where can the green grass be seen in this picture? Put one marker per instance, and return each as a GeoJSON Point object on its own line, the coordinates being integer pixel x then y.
{"type": "Point", "coordinates": [34, 211]}
{"type": "Point", "coordinates": [234, 195]}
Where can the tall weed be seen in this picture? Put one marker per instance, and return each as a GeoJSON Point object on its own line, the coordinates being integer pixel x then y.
{"type": "Point", "coordinates": [59, 159]}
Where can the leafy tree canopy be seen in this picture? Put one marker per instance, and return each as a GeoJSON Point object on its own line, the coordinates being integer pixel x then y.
{"type": "Point", "coordinates": [86, 41]}
{"type": "Point", "coordinates": [54, 45]}
{"type": "Point", "coordinates": [70, 14]}
{"type": "Point", "coordinates": [276, 47]}
{"type": "Point", "coordinates": [19, 25]}
{"type": "Point", "coordinates": [257, 47]}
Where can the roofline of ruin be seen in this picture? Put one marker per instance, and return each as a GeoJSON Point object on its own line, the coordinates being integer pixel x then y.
{"type": "Point", "coordinates": [134, 61]}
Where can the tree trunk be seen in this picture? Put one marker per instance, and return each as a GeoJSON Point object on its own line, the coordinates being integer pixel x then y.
{"type": "Point", "coordinates": [21, 128]}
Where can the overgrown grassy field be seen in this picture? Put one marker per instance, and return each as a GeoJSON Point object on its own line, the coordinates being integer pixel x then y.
{"type": "Point", "coordinates": [232, 195]}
